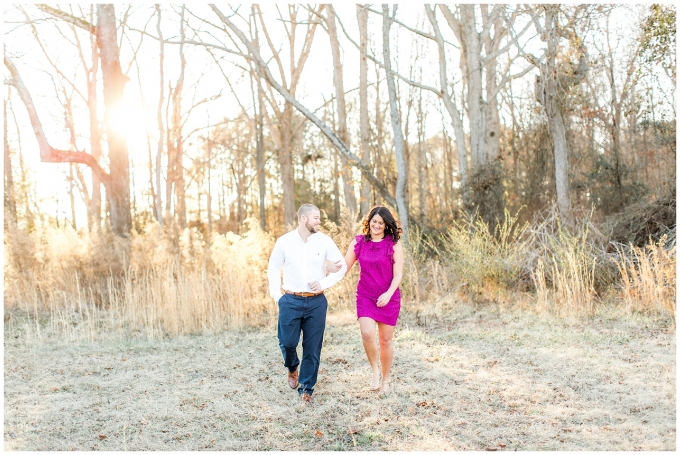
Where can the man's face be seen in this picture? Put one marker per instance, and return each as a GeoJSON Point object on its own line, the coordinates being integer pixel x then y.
{"type": "Point", "coordinates": [312, 221]}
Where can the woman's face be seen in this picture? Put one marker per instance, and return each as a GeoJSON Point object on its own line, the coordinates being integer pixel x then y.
{"type": "Point", "coordinates": [377, 226]}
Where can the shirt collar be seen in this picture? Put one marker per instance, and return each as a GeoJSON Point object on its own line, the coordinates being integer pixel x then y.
{"type": "Point", "coordinates": [300, 237]}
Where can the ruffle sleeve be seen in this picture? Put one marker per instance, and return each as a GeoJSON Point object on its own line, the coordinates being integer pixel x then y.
{"type": "Point", "coordinates": [390, 250]}
{"type": "Point", "coordinates": [358, 244]}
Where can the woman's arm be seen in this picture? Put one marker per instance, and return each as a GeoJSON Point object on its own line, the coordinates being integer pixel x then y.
{"type": "Point", "coordinates": [350, 257]}
{"type": "Point", "coordinates": [398, 273]}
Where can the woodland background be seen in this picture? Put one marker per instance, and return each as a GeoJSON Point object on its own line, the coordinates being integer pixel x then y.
{"type": "Point", "coordinates": [152, 155]}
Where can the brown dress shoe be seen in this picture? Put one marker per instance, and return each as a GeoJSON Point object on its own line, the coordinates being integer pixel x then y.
{"type": "Point", "coordinates": [307, 398]}
{"type": "Point", "coordinates": [293, 379]}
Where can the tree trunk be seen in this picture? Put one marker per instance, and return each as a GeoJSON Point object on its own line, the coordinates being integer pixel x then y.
{"type": "Point", "coordinates": [286, 163]}
{"type": "Point", "coordinates": [422, 162]}
{"type": "Point", "coordinates": [472, 73]}
{"type": "Point", "coordinates": [161, 127]}
{"type": "Point", "coordinates": [72, 139]}
{"type": "Point", "coordinates": [362, 19]}
{"type": "Point", "coordinates": [258, 103]}
{"type": "Point", "coordinates": [177, 142]}
{"type": "Point", "coordinates": [396, 122]}
{"type": "Point", "coordinates": [95, 208]}
{"type": "Point", "coordinates": [348, 181]}
{"type": "Point", "coordinates": [452, 109]}
{"type": "Point", "coordinates": [10, 201]}
{"type": "Point", "coordinates": [114, 84]}
{"type": "Point", "coordinates": [209, 201]}
{"type": "Point", "coordinates": [547, 94]}
{"type": "Point", "coordinates": [336, 188]}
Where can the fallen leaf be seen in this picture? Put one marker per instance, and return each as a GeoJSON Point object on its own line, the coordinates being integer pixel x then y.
{"type": "Point", "coordinates": [102, 437]}
{"type": "Point", "coordinates": [319, 434]}
{"type": "Point", "coordinates": [502, 446]}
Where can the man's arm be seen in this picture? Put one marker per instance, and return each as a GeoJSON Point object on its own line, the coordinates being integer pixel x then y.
{"type": "Point", "coordinates": [274, 271]}
{"type": "Point", "coordinates": [333, 254]}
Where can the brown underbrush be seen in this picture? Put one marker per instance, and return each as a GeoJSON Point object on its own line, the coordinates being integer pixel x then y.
{"type": "Point", "coordinates": [167, 281]}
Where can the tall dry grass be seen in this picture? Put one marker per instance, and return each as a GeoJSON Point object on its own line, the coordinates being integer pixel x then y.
{"type": "Point", "coordinates": [565, 266]}
{"type": "Point", "coordinates": [484, 259]}
{"type": "Point", "coordinates": [648, 276]}
{"type": "Point", "coordinates": [167, 281]}
{"type": "Point", "coordinates": [159, 282]}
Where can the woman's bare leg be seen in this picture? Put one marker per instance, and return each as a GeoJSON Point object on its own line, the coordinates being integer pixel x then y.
{"type": "Point", "coordinates": [385, 334]}
{"type": "Point", "coordinates": [367, 326]}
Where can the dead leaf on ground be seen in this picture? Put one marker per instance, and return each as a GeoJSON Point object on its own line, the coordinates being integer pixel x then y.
{"type": "Point", "coordinates": [319, 434]}
{"type": "Point", "coordinates": [102, 437]}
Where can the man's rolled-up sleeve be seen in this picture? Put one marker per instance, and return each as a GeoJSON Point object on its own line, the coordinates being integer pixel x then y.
{"type": "Point", "coordinates": [333, 254]}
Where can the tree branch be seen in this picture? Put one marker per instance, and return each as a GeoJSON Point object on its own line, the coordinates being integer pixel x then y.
{"type": "Point", "coordinates": [341, 146]}
{"type": "Point", "coordinates": [380, 64]}
{"type": "Point", "coordinates": [49, 154]}
{"type": "Point", "coordinates": [59, 14]}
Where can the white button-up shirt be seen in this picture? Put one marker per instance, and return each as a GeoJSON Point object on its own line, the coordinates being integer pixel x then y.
{"type": "Point", "coordinates": [303, 263]}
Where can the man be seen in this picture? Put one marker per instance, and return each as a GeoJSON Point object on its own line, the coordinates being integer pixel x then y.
{"type": "Point", "coordinates": [302, 253]}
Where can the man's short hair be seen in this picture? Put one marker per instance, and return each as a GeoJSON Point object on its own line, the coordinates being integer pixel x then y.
{"type": "Point", "coordinates": [306, 209]}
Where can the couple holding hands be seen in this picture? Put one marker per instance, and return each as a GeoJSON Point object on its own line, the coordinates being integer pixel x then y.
{"type": "Point", "coordinates": [303, 255]}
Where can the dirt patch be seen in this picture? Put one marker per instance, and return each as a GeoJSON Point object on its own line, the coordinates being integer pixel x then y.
{"type": "Point", "coordinates": [473, 381]}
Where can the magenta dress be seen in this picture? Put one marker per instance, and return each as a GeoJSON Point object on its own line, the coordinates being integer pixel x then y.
{"type": "Point", "coordinates": [376, 260]}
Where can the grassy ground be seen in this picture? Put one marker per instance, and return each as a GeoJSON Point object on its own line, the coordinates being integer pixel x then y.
{"type": "Point", "coordinates": [473, 380]}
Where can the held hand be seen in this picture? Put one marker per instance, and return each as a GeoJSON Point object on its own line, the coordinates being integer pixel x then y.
{"type": "Point", "coordinates": [383, 299]}
{"type": "Point", "coordinates": [316, 287]}
{"type": "Point", "coordinates": [333, 267]}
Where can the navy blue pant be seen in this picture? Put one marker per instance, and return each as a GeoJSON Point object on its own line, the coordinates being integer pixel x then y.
{"type": "Point", "coordinates": [306, 315]}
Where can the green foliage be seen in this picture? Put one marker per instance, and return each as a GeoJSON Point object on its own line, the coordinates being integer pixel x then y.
{"type": "Point", "coordinates": [658, 44]}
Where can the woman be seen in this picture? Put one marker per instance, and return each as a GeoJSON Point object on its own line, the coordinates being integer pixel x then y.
{"type": "Point", "coordinates": [381, 258]}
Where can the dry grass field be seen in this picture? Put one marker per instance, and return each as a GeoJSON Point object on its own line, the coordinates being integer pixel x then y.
{"type": "Point", "coordinates": [472, 379]}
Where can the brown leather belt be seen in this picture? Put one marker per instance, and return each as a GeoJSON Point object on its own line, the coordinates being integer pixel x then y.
{"type": "Point", "coordinates": [304, 294]}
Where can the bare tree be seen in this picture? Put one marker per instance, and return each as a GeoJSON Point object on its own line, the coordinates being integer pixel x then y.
{"type": "Point", "coordinates": [263, 70]}
{"type": "Point", "coordinates": [362, 19]}
{"type": "Point", "coordinates": [549, 88]}
{"type": "Point", "coordinates": [348, 181]}
{"type": "Point", "coordinates": [117, 181]}
{"type": "Point", "coordinates": [611, 112]}
{"type": "Point", "coordinates": [175, 145]}
{"type": "Point", "coordinates": [161, 128]}
{"type": "Point", "coordinates": [284, 126]}
{"type": "Point", "coordinates": [10, 201]}
{"type": "Point", "coordinates": [396, 121]}
{"type": "Point", "coordinates": [114, 85]}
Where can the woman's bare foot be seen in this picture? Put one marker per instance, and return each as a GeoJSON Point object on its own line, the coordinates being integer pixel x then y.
{"type": "Point", "coordinates": [385, 389]}
{"type": "Point", "coordinates": [375, 381]}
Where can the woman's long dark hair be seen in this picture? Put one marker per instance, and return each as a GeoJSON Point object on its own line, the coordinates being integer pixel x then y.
{"type": "Point", "coordinates": [391, 227]}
